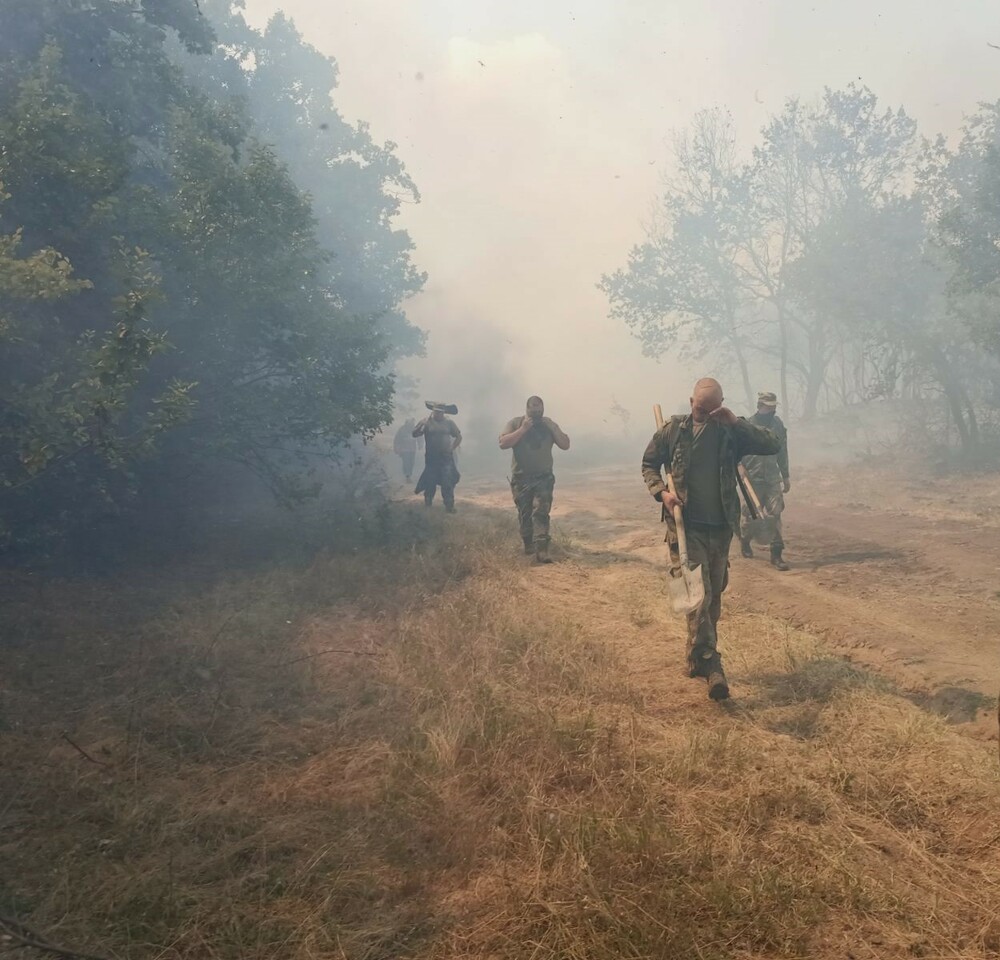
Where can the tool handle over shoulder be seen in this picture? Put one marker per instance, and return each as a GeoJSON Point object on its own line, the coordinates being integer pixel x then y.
{"type": "Point", "coordinates": [757, 511]}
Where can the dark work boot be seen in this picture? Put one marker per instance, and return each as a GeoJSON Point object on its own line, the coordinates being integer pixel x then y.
{"type": "Point", "coordinates": [698, 664]}
{"type": "Point", "coordinates": [776, 560]}
{"type": "Point", "coordinates": [745, 548]}
{"type": "Point", "coordinates": [529, 545]}
{"type": "Point", "coordinates": [718, 686]}
{"type": "Point", "coordinates": [428, 499]}
{"type": "Point", "coordinates": [541, 552]}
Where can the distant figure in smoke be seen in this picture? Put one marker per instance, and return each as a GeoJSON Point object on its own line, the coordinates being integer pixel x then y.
{"type": "Point", "coordinates": [441, 439]}
{"type": "Point", "coordinates": [770, 479]}
{"type": "Point", "coordinates": [531, 438]}
{"type": "Point", "coordinates": [404, 445]}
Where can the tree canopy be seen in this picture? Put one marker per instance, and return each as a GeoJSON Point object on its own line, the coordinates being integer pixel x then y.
{"type": "Point", "coordinates": [841, 259]}
{"type": "Point", "coordinates": [198, 258]}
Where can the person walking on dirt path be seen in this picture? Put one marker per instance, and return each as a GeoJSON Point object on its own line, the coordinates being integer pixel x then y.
{"type": "Point", "coordinates": [530, 438]}
{"type": "Point", "coordinates": [771, 480]}
{"type": "Point", "coordinates": [701, 451]}
{"type": "Point", "coordinates": [404, 445]}
{"type": "Point", "coordinates": [441, 439]}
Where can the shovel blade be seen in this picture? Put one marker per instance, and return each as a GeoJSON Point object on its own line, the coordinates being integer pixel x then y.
{"type": "Point", "coordinates": [686, 589]}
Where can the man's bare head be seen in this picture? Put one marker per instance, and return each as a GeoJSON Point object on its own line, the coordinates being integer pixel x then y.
{"type": "Point", "coordinates": [706, 397]}
{"type": "Point", "coordinates": [534, 407]}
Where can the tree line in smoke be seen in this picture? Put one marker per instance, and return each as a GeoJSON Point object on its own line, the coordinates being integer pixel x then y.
{"type": "Point", "coordinates": [846, 259]}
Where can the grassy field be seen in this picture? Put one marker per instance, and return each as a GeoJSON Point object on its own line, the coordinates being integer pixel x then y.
{"type": "Point", "coordinates": [426, 749]}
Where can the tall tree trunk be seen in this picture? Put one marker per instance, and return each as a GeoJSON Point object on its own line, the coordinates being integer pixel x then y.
{"type": "Point", "coordinates": [745, 373]}
{"type": "Point", "coordinates": [843, 376]}
{"type": "Point", "coordinates": [813, 387]}
{"type": "Point", "coordinates": [955, 405]}
{"type": "Point", "coordinates": [816, 377]}
{"type": "Point", "coordinates": [783, 330]}
{"type": "Point", "coordinates": [972, 421]}
{"type": "Point", "coordinates": [958, 401]}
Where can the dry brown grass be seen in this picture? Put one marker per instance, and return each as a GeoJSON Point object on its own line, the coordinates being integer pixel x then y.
{"type": "Point", "coordinates": [503, 767]}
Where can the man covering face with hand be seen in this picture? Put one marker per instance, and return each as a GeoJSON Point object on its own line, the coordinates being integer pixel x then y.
{"type": "Point", "coordinates": [701, 451]}
{"type": "Point", "coordinates": [532, 481]}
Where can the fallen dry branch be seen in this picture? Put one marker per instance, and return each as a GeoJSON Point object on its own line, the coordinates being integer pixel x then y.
{"type": "Point", "coordinates": [323, 653]}
{"type": "Point", "coordinates": [83, 753]}
{"type": "Point", "coordinates": [26, 937]}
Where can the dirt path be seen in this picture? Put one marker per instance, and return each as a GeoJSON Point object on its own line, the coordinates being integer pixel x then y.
{"type": "Point", "coordinates": [900, 577]}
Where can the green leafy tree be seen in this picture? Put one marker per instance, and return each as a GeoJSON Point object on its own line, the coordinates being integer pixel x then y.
{"type": "Point", "coordinates": [815, 165]}
{"type": "Point", "coordinates": [683, 287]}
{"type": "Point", "coordinates": [964, 188]}
{"type": "Point", "coordinates": [876, 271]}
{"type": "Point", "coordinates": [219, 322]}
{"type": "Point", "coordinates": [712, 276]}
{"type": "Point", "coordinates": [355, 185]}
{"type": "Point", "coordinates": [69, 428]}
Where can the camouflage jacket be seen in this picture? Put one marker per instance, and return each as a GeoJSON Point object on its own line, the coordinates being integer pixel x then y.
{"type": "Point", "coordinates": [671, 448]}
{"type": "Point", "coordinates": [769, 471]}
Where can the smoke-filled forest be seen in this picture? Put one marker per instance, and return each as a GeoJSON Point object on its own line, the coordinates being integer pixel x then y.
{"type": "Point", "coordinates": [200, 270]}
{"type": "Point", "coordinates": [719, 685]}
{"type": "Point", "coordinates": [850, 257]}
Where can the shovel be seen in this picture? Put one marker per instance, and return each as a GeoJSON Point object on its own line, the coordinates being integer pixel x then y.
{"type": "Point", "coordinates": [685, 586]}
{"type": "Point", "coordinates": [756, 508]}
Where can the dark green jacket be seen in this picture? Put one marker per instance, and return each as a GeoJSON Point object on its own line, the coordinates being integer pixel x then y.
{"type": "Point", "coordinates": [671, 448]}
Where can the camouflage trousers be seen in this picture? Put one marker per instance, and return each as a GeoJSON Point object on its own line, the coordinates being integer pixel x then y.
{"type": "Point", "coordinates": [767, 530]}
{"type": "Point", "coordinates": [533, 499]}
{"type": "Point", "coordinates": [708, 547]}
{"type": "Point", "coordinates": [439, 471]}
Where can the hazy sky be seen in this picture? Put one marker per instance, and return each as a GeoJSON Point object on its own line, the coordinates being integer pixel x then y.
{"type": "Point", "coordinates": [537, 131]}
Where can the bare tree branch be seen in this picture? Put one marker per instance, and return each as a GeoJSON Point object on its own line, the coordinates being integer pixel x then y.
{"type": "Point", "coordinates": [83, 753]}
{"type": "Point", "coordinates": [26, 937]}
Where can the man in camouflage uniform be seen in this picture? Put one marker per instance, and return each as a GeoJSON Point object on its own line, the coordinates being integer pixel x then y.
{"type": "Point", "coordinates": [701, 451]}
{"type": "Point", "coordinates": [441, 439]}
{"type": "Point", "coordinates": [771, 480]}
{"type": "Point", "coordinates": [531, 438]}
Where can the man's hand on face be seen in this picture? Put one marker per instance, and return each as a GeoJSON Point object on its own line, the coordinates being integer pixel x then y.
{"type": "Point", "coordinates": [724, 416]}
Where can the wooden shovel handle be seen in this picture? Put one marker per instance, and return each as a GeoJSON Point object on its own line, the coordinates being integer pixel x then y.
{"type": "Point", "coordinates": [658, 416]}
{"type": "Point", "coordinates": [682, 545]}
{"type": "Point", "coordinates": [750, 492]}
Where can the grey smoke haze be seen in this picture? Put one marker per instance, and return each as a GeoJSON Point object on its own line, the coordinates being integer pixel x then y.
{"type": "Point", "coordinates": [537, 134]}
{"type": "Point", "coordinates": [476, 366]}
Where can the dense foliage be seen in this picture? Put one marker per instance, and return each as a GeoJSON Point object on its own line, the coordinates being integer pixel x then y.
{"type": "Point", "coordinates": [175, 294]}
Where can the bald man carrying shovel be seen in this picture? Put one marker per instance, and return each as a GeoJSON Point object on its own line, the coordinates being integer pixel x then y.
{"type": "Point", "coordinates": [700, 452]}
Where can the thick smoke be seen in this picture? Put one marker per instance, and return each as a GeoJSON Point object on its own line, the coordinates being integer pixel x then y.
{"type": "Point", "coordinates": [474, 365]}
